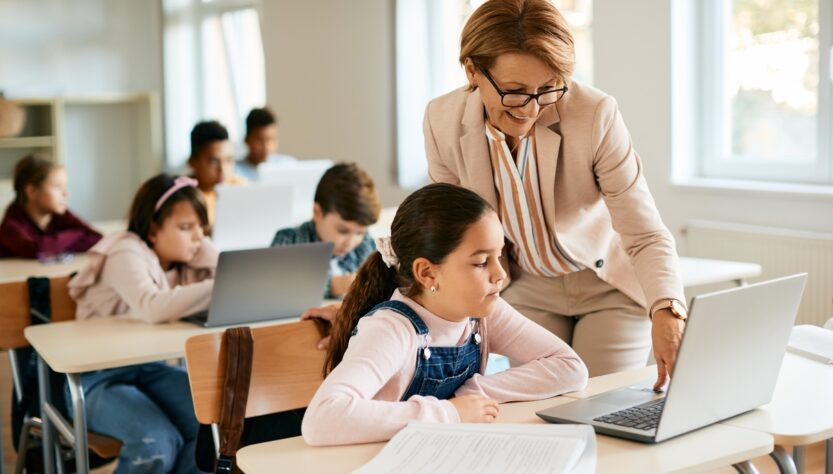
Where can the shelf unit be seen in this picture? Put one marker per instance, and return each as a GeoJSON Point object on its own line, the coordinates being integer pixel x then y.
{"type": "Point", "coordinates": [109, 144]}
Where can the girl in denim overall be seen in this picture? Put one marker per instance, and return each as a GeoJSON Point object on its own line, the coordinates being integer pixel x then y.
{"type": "Point", "coordinates": [411, 340]}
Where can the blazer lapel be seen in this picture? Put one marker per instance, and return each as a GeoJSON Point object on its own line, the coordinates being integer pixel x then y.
{"type": "Point", "coordinates": [548, 146]}
{"type": "Point", "coordinates": [475, 148]}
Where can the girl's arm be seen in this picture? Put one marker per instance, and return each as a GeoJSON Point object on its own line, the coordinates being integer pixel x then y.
{"type": "Point", "coordinates": [343, 410]}
{"type": "Point", "coordinates": [549, 366]}
{"type": "Point", "coordinates": [127, 273]}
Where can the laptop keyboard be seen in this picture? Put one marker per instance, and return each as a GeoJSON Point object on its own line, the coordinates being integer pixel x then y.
{"type": "Point", "coordinates": [641, 417]}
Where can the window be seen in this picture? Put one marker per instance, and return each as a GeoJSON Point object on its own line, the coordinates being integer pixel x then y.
{"type": "Point", "coordinates": [427, 66]}
{"type": "Point", "coordinates": [765, 84]}
{"type": "Point", "coordinates": [214, 68]}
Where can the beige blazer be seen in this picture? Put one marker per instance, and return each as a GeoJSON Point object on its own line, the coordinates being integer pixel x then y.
{"type": "Point", "coordinates": [597, 201]}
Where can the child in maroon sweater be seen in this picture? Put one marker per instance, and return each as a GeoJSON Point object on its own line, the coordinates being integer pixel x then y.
{"type": "Point", "coordinates": [38, 224]}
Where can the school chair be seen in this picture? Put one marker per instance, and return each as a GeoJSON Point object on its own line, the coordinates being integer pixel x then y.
{"type": "Point", "coordinates": [16, 313]}
{"type": "Point", "coordinates": [286, 370]}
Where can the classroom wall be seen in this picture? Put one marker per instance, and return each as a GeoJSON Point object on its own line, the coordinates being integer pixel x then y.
{"type": "Point", "coordinates": [330, 78]}
{"type": "Point", "coordinates": [80, 47]}
{"type": "Point", "coordinates": [633, 56]}
{"type": "Point", "coordinates": [61, 48]}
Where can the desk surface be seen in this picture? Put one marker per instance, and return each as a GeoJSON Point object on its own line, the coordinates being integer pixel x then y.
{"type": "Point", "coordinates": [710, 448]}
{"type": "Point", "coordinates": [104, 343]}
{"type": "Point", "coordinates": [801, 411]}
{"type": "Point", "coordinates": [701, 271]}
{"type": "Point", "coordinates": [17, 269]}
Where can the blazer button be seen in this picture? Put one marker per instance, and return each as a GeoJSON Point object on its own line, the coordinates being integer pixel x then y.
{"type": "Point", "coordinates": [600, 263]}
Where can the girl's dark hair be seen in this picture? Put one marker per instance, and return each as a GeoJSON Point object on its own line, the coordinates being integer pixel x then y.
{"type": "Point", "coordinates": [31, 170]}
{"type": "Point", "coordinates": [142, 214]}
{"type": "Point", "coordinates": [429, 223]}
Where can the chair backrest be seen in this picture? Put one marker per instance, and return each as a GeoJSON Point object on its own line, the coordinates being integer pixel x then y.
{"type": "Point", "coordinates": [286, 370]}
{"type": "Point", "coordinates": [14, 310]}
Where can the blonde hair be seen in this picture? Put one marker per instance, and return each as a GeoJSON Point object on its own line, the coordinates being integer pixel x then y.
{"type": "Point", "coordinates": [534, 27]}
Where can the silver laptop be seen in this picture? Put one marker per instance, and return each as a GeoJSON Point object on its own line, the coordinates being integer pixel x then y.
{"type": "Point", "coordinates": [727, 364]}
{"type": "Point", "coordinates": [303, 177]}
{"type": "Point", "coordinates": [264, 284]}
{"type": "Point", "coordinates": [247, 217]}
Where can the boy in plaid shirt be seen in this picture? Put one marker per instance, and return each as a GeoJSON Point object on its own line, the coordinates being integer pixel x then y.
{"type": "Point", "coordinates": [346, 203]}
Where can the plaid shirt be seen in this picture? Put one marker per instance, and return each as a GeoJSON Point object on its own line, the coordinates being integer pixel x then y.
{"type": "Point", "coordinates": [348, 263]}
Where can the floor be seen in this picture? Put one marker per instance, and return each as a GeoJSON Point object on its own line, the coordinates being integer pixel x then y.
{"type": "Point", "coordinates": [814, 465]}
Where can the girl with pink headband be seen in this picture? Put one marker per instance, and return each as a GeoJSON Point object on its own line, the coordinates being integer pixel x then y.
{"type": "Point", "coordinates": [160, 269]}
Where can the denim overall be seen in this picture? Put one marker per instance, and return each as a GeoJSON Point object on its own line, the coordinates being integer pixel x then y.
{"type": "Point", "coordinates": [440, 371]}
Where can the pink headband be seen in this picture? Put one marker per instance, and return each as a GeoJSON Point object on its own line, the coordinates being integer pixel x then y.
{"type": "Point", "coordinates": [179, 183]}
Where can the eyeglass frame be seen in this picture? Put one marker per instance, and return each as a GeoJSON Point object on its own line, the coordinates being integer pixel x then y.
{"type": "Point", "coordinates": [529, 97]}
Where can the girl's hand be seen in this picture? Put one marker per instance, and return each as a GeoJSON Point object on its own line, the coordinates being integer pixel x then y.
{"type": "Point", "coordinates": [475, 409]}
{"type": "Point", "coordinates": [325, 313]}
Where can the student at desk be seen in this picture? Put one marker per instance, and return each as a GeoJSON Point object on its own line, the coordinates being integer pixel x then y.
{"type": "Point", "coordinates": [212, 162]}
{"type": "Point", "coordinates": [346, 203]}
{"type": "Point", "coordinates": [159, 270]}
{"type": "Point", "coordinates": [38, 223]}
{"type": "Point", "coordinates": [412, 338]}
{"type": "Point", "coordinates": [262, 144]}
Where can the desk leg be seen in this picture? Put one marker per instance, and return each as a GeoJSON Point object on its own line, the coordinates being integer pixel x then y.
{"type": "Point", "coordinates": [745, 467]}
{"type": "Point", "coordinates": [79, 423]}
{"type": "Point", "coordinates": [48, 429]}
{"type": "Point", "coordinates": [800, 455]}
{"type": "Point", "coordinates": [828, 456]}
{"type": "Point", "coordinates": [783, 460]}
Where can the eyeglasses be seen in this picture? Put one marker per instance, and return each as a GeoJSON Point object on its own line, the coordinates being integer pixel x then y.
{"type": "Point", "coordinates": [519, 99]}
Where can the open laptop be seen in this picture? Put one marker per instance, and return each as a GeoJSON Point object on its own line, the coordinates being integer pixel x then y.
{"type": "Point", "coordinates": [247, 217]}
{"type": "Point", "coordinates": [727, 364]}
{"type": "Point", "coordinates": [264, 284]}
{"type": "Point", "coordinates": [302, 176]}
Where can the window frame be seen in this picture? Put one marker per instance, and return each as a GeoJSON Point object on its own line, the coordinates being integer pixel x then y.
{"type": "Point", "coordinates": [712, 124]}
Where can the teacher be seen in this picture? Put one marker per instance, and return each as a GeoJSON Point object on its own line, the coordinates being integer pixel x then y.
{"type": "Point", "coordinates": [589, 256]}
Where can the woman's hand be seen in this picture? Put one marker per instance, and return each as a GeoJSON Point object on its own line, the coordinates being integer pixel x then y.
{"type": "Point", "coordinates": [475, 408]}
{"type": "Point", "coordinates": [326, 313]}
{"type": "Point", "coordinates": [666, 333]}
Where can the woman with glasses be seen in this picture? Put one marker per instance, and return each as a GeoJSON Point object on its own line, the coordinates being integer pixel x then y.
{"type": "Point", "coordinates": [589, 255]}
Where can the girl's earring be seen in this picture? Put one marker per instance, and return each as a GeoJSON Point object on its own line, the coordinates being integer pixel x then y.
{"type": "Point", "coordinates": [433, 289]}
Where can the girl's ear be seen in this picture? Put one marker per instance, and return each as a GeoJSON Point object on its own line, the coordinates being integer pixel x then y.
{"type": "Point", "coordinates": [152, 233]}
{"type": "Point", "coordinates": [468, 66]}
{"type": "Point", "coordinates": [30, 192]}
{"type": "Point", "coordinates": [425, 273]}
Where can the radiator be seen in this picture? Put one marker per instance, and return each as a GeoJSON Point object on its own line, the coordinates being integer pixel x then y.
{"type": "Point", "coordinates": [779, 251]}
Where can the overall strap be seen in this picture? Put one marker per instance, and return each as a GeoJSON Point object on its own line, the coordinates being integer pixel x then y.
{"type": "Point", "coordinates": [404, 310]}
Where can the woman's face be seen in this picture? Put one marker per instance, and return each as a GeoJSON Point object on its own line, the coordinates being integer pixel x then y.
{"type": "Point", "coordinates": [513, 72]}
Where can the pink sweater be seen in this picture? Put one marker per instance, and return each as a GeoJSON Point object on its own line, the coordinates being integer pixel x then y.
{"type": "Point", "coordinates": [124, 278]}
{"type": "Point", "coordinates": [359, 402]}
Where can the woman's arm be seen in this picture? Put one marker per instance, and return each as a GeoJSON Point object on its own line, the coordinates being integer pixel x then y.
{"type": "Point", "coordinates": [343, 410]}
{"type": "Point", "coordinates": [549, 367]}
{"type": "Point", "coordinates": [127, 273]}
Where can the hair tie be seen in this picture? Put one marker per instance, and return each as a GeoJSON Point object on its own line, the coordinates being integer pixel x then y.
{"type": "Point", "coordinates": [179, 183]}
{"type": "Point", "coordinates": [385, 248]}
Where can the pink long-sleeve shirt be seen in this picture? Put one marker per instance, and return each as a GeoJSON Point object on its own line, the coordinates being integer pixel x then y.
{"type": "Point", "coordinates": [124, 278]}
{"type": "Point", "coordinates": [359, 401]}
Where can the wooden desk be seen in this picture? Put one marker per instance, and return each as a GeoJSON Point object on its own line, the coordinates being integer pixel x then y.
{"type": "Point", "coordinates": [701, 271]}
{"type": "Point", "coordinates": [74, 347]}
{"type": "Point", "coordinates": [709, 448]}
{"type": "Point", "coordinates": [801, 411]}
{"type": "Point", "coordinates": [18, 269]}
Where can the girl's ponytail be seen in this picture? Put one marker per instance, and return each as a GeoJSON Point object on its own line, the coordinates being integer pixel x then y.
{"type": "Point", "coordinates": [374, 283]}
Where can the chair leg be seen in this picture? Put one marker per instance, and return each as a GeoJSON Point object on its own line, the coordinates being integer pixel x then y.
{"type": "Point", "coordinates": [23, 445]}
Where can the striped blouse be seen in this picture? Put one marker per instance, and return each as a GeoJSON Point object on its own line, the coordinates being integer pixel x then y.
{"type": "Point", "coordinates": [536, 248]}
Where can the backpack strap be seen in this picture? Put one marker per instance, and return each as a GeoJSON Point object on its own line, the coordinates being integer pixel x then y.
{"type": "Point", "coordinates": [235, 395]}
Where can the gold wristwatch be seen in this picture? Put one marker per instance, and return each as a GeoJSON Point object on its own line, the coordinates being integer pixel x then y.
{"type": "Point", "coordinates": [677, 308]}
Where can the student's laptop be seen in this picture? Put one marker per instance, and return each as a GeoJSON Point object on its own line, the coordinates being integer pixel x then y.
{"type": "Point", "coordinates": [727, 364]}
{"type": "Point", "coordinates": [247, 217]}
{"type": "Point", "coordinates": [302, 176]}
{"type": "Point", "coordinates": [264, 284]}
